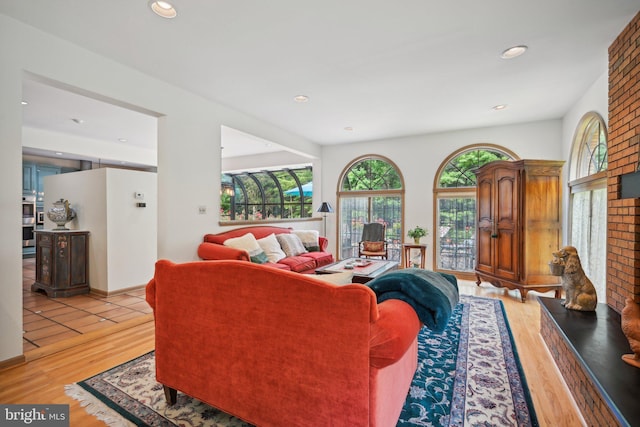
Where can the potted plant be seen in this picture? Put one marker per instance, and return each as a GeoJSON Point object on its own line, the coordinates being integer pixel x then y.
{"type": "Point", "coordinates": [417, 233]}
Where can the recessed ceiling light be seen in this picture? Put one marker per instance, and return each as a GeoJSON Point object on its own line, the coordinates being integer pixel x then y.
{"type": "Point", "coordinates": [78, 121]}
{"type": "Point", "coordinates": [301, 98]}
{"type": "Point", "coordinates": [122, 139]}
{"type": "Point", "coordinates": [499, 107]}
{"type": "Point", "coordinates": [513, 52]}
{"type": "Point", "coordinates": [24, 103]}
{"type": "Point", "coordinates": [163, 8]}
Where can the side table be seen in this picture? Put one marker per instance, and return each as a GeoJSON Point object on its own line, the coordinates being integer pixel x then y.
{"type": "Point", "coordinates": [62, 263]}
{"type": "Point", "coordinates": [406, 254]}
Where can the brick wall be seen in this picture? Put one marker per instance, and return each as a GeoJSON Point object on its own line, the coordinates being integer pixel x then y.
{"type": "Point", "coordinates": [623, 224]}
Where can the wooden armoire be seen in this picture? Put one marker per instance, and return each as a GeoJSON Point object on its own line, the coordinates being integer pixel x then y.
{"type": "Point", "coordinates": [519, 224]}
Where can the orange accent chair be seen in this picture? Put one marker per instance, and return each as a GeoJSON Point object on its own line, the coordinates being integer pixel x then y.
{"type": "Point", "coordinates": [276, 348]}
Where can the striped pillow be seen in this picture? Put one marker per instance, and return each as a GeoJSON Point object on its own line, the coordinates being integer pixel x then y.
{"type": "Point", "coordinates": [310, 239]}
{"type": "Point", "coordinates": [291, 244]}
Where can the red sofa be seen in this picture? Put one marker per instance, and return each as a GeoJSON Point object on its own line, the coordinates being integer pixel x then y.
{"type": "Point", "coordinates": [276, 348]}
{"type": "Point", "coordinates": [212, 248]}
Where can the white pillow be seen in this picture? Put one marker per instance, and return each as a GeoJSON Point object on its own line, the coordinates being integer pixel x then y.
{"type": "Point", "coordinates": [310, 239]}
{"type": "Point", "coordinates": [271, 248]}
{"type": "Point", "coordinates": [249, 243]}
{"type": "Point", "coordinates": [291, 244]}
{"type": "Point", "coordinates": [344, 278]}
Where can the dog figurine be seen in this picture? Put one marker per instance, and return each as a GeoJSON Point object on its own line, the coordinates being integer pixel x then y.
{"type": "Point", "coordinates": [579, 291]}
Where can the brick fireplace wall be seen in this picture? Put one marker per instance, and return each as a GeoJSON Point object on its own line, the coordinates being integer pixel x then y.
{"type": "Point", "coordinates": [623, 223]}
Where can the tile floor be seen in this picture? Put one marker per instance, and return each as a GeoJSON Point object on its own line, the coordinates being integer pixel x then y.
{"type": "Point", "coordinates": [50, 320]}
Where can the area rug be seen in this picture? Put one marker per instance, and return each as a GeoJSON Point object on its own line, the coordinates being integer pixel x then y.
{"type": "Point", "coordinates": [468, 375]}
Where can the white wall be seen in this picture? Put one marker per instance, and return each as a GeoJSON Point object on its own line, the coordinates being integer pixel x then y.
{"type": "Point", "coordinates": [123, 239]}
{"type": "Point", "coordinates": [419, 157]}
{"type": "Point", "coordinates": [188, 150]}
{"type": "Point", "coordinates": [10, 212]}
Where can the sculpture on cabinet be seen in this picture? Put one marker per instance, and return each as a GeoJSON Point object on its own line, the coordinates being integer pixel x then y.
{"type": "Point", "coordinates": [580, 294]}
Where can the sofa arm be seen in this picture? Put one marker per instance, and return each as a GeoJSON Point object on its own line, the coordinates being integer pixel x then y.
{"type": "Point", "coordinates": [323, 242]}
{"type": "Point", "coordinates": [213, 251]}
{"type": "Point", "coordinates": [392, 334]}
{"type": "Point", "coordinates": [150, 293]}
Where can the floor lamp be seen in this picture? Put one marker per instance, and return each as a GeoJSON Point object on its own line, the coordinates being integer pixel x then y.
{"type": "Point", "coordinates": [325, 208]}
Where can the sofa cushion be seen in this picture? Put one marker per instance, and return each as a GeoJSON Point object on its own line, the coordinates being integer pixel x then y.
{"type": "Point", "coordinates": [291, 244]}
{"type": "Point", "coordinates": [322, 258]}
{"type": "Point", "coordinates": [310, 239]}
{"type": "Point", "coordinates": [277, 265]}
{"type": "Point", "coordinates": [249, 243]}
{"type": "Point", "coordinates": [271, 248]}
{"type": "Point", "coordinates": [299, 263]}
{"type": "Point", "coordinates": [373, 246]}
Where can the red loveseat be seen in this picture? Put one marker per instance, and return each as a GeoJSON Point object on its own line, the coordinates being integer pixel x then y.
{"type": "Point", "coordinates": [276, 348]}
{"type": "Point", "coordinates": [213, 248]}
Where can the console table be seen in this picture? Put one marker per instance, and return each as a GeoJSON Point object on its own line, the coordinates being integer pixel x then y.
{"type": "Point", "coordinates": [62, 262]}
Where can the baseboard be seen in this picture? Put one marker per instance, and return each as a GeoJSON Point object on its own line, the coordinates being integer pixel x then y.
{"type": "Point", "coordinates": [14, 361]}
{"type": "Point", "coordinates": [106, 294]}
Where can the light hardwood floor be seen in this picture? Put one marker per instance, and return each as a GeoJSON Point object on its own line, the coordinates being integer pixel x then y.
{"type": "Point", "coordinates": [42, 379]}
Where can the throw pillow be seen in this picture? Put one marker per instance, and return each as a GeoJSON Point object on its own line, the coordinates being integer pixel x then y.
{"type": "Point", "coordinates": [249, 243]}
{"type": "Point", "coordinates": [291, 244]}
{"type": "Point", "coordinates": [271, 248]}
{"type": "Point", "coordinates": [343, 278]}
{"type": "Point", "coordinates": [310, 239]}
{"type": "Point", "coordinates": [373, 246]}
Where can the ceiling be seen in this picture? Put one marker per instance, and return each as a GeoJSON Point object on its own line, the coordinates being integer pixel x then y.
{"type": "Point", "coordinates": [382, 68]}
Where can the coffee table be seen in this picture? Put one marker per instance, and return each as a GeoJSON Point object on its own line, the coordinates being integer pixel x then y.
{"type": "Point", "coordinates": [361, 273]}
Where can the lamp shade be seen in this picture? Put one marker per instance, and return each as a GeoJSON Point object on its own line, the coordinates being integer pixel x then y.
{"type": "Point", "coordinates": [325, 207]}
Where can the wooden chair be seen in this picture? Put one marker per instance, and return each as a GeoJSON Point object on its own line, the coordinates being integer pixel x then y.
{"type": "Point", "coordinates": [373, 242]}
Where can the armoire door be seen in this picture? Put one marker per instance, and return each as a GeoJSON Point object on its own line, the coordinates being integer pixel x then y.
{"type": "Point", "coordinates": [505, 234]}
{"type": "Point", "coordinates": [484, 208]}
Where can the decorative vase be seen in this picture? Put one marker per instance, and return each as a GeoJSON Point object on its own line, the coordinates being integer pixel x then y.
{"type": "Point", "coordinates": [61, 213]}
{"type": "Point", "coordinates": [416, 240]}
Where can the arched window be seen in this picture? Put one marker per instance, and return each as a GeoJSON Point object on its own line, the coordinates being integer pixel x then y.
{"type": "Point", "coordinates": [455, 205]}
{"type": "Point", "coordinates": [588, 203]}
{"type": "Point", "coordinates": [371, 190]}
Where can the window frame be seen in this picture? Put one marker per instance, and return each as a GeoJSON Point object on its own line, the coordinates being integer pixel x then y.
{"type": "Point", "coordinates": [232, 182]}
{"type": "Point", "coordinates": [580, 180]}
{"type": "Point", "coordinates": [369, 194]}
{"type": "Point", "coordinates": [457, 192]}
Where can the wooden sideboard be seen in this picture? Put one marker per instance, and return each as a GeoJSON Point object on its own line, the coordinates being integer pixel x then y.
{"type": "Point", "coordinates": [519, 224]}
{"type": "Point", "coordinates": [62, 262]}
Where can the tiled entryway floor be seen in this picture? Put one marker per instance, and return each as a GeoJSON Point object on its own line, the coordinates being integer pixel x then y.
{"type": "Point", "coordinates": [50, 320]}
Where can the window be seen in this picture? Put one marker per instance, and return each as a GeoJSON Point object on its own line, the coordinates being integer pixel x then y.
{"type": "Point", "coordinates": [588, 203]}
{"type": "Point", "coordinates": [266, 195]}
{"type": "Point", "coordinates": [455, 204]}
{"type": "Point", "coordinates": [371, 190]}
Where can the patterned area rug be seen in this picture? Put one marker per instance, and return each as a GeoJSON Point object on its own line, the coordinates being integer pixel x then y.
{"type": "Point", "coordinates": [468, 375]}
